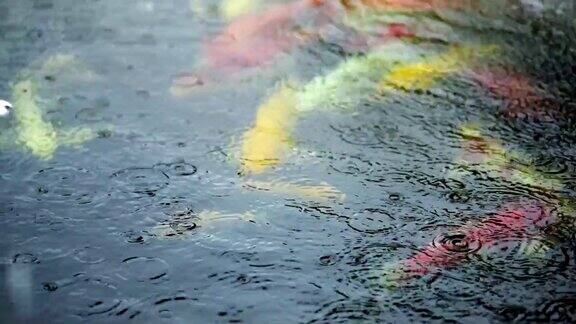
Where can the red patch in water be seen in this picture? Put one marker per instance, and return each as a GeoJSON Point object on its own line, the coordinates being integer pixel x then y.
{"type": "Point", "coordinates": [512, 221]}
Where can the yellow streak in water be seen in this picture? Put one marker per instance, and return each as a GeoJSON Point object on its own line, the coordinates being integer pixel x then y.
{"type": "Point", "coordinates": [268, 140]}
{"type": "Point", "coordinates": [502, 161]}
{"type": "Point", "coordinates": [422, 75]}
{"type": "Point", "coordinates": [34, 132]}
{"type": "Point", "coordinates": [322, 193]}
{"type": "Point", "coordinates": [231, 9]}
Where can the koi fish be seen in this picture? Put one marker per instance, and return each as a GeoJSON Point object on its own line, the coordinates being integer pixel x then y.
{"type": "Point", "coordinates": [391, 67]}
{"type": "Point", "coordinates": [423, 74]}
{"type": "Point", "coordinates": [489, 155]}
{"type": "Point", "coordinates": [512, 221]}
{"type": "Point", "coordinates": [256, 39]}
{"type": "Point", "coordinates": [32, 131]}
{"type": "Point", "coordinates": [523, 98]}
{"type": "Point", "coordinates": [266, 143]}
{"type": "Point", "coordinates": [268, 140]}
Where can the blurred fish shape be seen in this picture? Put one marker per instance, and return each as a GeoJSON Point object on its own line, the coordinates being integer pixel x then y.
{"type": "Point", "coordinates": [423, 74]}
{"type": "Point", "coordinates": [395, 66]}
{"type": "Point", "coordinates": [268, 140]}
{"type": "Point", "coordinates": [36, 134]}
{"type": "Point", "coordinates": [253, 40]}
{"type": "Point", "coordinates": [31, 128]}
{"type": "Point", "coordinates": [513, 221]}
{"type": "Point", "coordinates": [232, 9]}
{"type": "Point", "coordinates": [480, 153]}
{"type": "Point", "coordinates": [521, 95]}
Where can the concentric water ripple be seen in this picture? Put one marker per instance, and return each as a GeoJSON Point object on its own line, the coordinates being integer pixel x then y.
{"type": "Point", "coordinates": [140, 181]}
{"type": "Point", "coordinates": [145, 269]}
{"type": "Point", "coordinates": [64, 184]}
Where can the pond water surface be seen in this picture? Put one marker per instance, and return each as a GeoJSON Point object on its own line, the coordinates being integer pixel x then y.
{"type": "Point", "coordinates": [287, 161]}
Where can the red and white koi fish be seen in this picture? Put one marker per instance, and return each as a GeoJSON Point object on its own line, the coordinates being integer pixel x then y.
{"type": "Point", "coordinates": [523, 98]}
{"type": "Point", "coordinates": [512, 221]}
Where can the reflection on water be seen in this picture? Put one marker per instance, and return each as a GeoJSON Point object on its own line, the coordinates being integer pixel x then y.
{"type": "Point", "coordinates": [294, 160]}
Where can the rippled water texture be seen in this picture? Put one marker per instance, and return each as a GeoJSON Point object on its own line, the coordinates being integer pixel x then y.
{"type": "Point", "coordinates": [195, 161]}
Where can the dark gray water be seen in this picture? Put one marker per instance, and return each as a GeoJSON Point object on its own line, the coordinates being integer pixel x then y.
{"type": "Point", "coordinates": [128, 189]}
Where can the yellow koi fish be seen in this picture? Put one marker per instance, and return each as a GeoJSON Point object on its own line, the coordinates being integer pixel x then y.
{"type": "Point", "coordinates": [394, 66]}
{"type": "Point", "coordinates": [32, 130]}
{"type": "Point", "coordinates": [489, 155]}
{"type": "Point", "coordinates": [422, 75]}
{"type": "Point", "coordinates": [268, 140]}
{"type": "Point", "coordinates": [353, 79]}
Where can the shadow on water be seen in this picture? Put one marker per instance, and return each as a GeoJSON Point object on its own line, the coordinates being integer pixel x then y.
{"type": "Point", "coordinates": [296, 161]}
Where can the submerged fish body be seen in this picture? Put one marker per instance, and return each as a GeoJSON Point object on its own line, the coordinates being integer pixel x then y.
{"type": "Point", "coordinates": [265, 143]}
{"type": "Point", "coordinates": [32, 130]}
{"type": "Point", "coordinates": [522, 97]}
{"type": "Point", "coordinates": [254, 40]}
{"type": "Point", "coordinates": [36, 134]}
{"type": "Point", "coordinates": [489, 155]}
{"type": "Point", "coordinates": [394, 66]}
{"type": "Point", "coordinates": [422, 75]}
{"type": "Point", "coordinates": [511, 222]}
